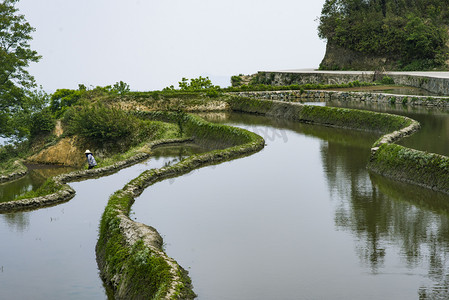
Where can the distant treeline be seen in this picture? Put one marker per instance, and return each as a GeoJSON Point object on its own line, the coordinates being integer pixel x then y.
{"type": "Point", "coordinates": [414, 32]}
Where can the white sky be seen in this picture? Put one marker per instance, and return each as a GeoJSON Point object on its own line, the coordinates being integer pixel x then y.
{"type": "Point", "coordinates": [152, 44]}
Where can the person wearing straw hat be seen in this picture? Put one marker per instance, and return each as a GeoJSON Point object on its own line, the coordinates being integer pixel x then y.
{"type": "Point", "coordinates": [90, 159]}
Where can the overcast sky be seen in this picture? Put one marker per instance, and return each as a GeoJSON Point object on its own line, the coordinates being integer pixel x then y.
{"type": "Point", "coordinates": [152, 44]}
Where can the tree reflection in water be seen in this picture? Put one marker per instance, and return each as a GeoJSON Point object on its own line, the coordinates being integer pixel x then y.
{"type": "Point", "coordinates": [19, 221]}
{"type": "Point", "coordinates": [382, 213]}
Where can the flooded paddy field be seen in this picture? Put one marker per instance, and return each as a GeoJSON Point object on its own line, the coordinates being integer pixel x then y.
{"type": "Point", "coordinates": [302, 219]}
{"type": "Point", "coordinates": [50, 253]}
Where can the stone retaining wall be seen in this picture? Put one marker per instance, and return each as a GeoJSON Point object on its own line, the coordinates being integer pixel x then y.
{"type": "Point", "coordinates": [435, 85]}
{"type": "Point", "coordinates": [325, 95]}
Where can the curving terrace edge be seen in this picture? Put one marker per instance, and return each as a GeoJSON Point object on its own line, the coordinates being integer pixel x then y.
{"type": "Point", "coordinates": [127, 249]}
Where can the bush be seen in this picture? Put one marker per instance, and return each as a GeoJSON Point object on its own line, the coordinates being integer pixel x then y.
{"type": "Point", "coordinates": [236, 81]}
{"type": "Point", "coordinates": [99, 123]}
{"type": "Point", "coordinates": [387, 80]}
{"type": "Point", "coordinates": [42, 122]}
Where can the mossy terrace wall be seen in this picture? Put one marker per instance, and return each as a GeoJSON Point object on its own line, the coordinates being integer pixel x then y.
{"type": "Point", "coordinates": [129, 254]}
{"type": "Point", "coordinates": [394, 161]}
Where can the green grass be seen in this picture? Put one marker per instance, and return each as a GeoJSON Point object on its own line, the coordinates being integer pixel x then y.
{"type": "Point", "coordinates": [49, 187]}
{"type": "Point", "coordinates": [410, 165]}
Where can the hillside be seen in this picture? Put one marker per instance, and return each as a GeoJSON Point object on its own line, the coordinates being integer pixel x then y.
{"type": "Point", "coordinates": [407, 35]}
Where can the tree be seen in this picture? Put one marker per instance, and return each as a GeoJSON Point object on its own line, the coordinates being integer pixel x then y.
{"type": "Point", "coordinates": [195, 84]}
{"type": "Point", "coordinates": [15, 56]}
{"type": "Point", "coordinates": [411, 32]}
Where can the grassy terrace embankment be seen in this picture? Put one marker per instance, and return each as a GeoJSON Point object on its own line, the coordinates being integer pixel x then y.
{"type": "Point", "coordinates": [129, 254]}
{"type": "Point", "coordinates": [387, 159]}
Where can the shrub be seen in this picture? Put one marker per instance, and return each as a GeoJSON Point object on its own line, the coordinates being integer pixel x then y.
{"type": "Point", "coordinates": [99, 123]}
{"type": "Point", "coordinates": [42, 122]}
{"type": "Point", "coordinates": [387, 80]}
{"type": "Point", "coordinates": [236, 81]}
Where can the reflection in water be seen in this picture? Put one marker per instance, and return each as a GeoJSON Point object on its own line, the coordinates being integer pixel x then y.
{"type": "Point", "coordinates": [423, 231]}
{"type": "Point", "coordinates": [173, 154]}
{"type": "Point", "coordinates": [49, 253]}
{"type": "Point", "coordinates": [37, 174]}
{"type": "Point", "coordinates": [18, 222]}
{"type": "Point", "coordinates": [280, 224]}
{"type": "Point", "coordinates": [434, 133]}
{"type": "Point", "coordinates": [390, 218]}
{"type": "Point", "coordinates": [398, 236]}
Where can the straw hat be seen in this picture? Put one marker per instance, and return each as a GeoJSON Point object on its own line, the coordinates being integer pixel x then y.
{"type": "Point", "coordinates": [87, 152]}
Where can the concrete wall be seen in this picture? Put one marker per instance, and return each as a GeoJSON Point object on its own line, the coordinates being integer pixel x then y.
{"type": "Point", "coordinates": [435, 85]}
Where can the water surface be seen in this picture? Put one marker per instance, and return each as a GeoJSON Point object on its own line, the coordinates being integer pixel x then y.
{"type": "Point", "coordinates": [302, 219]}
{"type": "Point", "coordinates": [50, 253]}
{"type": "Point", "coordinates": [36, 176]}
{"type": "Point", "coordinates": [433, 135]}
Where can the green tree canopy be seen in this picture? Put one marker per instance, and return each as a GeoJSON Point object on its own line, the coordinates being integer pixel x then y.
{"type": "Point", "coordinates": [15, 57]}
{"type": "Point", "coordinates": [412, 31]}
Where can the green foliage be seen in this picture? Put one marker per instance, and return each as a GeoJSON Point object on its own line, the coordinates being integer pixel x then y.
{"type": "Point", "coordinates": [189, 87]}
{"type": "Point", "coordinates": [99, 123]}
{"type": "Point", "coordinates": [10, 156]}
{"type": "Point", "coordinates": [15, 57]}
{"type": "Point", "coordinates": [19, 124]}
{"type": "Point", "coordinates": [236, 80]}
{"type": "Point", "coordinates": [412, 32]}
{"type": "Point", "coordinates": [309, 86]}
{"type": "Point", "coordinates": [387, 80]}
{"type": "Point", "coordinates": [62, 99]}
{"type": "Point", "coordinates": [42, 122]}
{"type": "Point", "coordinates": [195, 84]}
{"type": "Point", "coordinates": [120, 88]}
{"type": "Point", "coordinates": [49, 187]}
